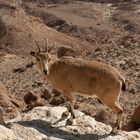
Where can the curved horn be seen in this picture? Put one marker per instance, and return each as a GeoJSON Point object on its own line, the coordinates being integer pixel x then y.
{"type": "Point", "coordinates": [46, 47]}
{"type": "Point", "coordinates": [38, 46]}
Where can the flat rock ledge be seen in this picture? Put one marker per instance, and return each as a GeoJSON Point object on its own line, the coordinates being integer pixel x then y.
{"type": "Point", "coordinates": [45, 123]}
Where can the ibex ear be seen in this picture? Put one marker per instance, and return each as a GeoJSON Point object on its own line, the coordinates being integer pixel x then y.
{"type": "Point", "coordinates": [50, 49]}
{"type": "Point", "coordinates": [32, 53]}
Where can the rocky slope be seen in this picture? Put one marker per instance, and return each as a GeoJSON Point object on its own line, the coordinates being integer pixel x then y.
{"type": "Point", "coordinates": [109, 35]}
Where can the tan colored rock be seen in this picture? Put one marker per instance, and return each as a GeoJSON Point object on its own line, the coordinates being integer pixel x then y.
{"type": "Point", "coordinates": [66, 51]}
{"type": "Point", "coordinates": [9, 110]}
{"type": "Point", "coordinates": [136, 116]}
{"type": "Point", "coordinates": [1, 116]}
{"type": "Point", "coordinates": [134, 124]}
{"type": "Point", "coordinates": [30, 97]}
{"type": "Point", "coordinates": [46, 95]}
{"type": "Point", "coordinates": [38, 125]}
{"type": "Point", "coordinates": [7, 134]}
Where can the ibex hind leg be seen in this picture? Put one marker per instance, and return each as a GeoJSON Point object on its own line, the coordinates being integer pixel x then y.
{"type": "Point", "coordinates": [116, 108]}
{"type": "Point", "coordinates": [119, 113]}
{"type": "Point", "coordinates": [113, 104]}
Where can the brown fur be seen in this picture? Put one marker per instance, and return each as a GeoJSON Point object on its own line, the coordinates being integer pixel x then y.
{"type": "Point", "coordinates": [87, 78]}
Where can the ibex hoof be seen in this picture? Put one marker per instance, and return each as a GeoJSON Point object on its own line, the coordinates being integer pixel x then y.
{"type": "Point", "coordinates": [69, 121]}
{"type": "Point", "coordinates": [115, 130]}
{"type": "Point", "coordinates": [118, 126]}
{"type": "Point", "coordinates": [65, 114]}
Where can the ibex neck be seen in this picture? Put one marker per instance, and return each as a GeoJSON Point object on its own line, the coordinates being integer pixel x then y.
{"type": "Point", "coordinates": [52, 61]}
{"type": "Point", "coordinates": [51, 64]}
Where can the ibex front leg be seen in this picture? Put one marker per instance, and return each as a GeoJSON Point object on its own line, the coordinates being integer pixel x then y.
{"type": "Point", "coordinates": [70, 109]}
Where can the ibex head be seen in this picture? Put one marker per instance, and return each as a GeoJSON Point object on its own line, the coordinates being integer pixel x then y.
{"type": "Point", "coordinates": [42, 58]}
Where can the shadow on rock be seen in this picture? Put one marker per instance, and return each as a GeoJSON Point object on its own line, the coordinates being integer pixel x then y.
{"type": "Point", "coordinates": [45, 128]}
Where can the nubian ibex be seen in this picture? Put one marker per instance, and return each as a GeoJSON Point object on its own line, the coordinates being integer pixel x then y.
{"type": "Point", "coordinates": [85, 77]}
